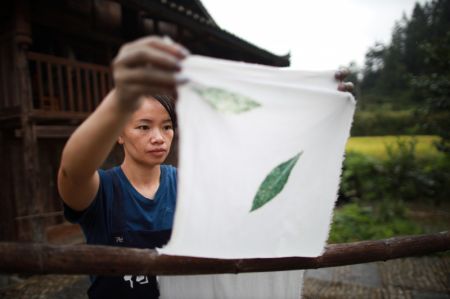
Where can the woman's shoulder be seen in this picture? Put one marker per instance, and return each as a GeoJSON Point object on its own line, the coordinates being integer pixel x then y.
{"type": "Point", "coordinates": [169, 174]}
{"type": "Point", "coordinates": [107, 174]}
{"type": "Point", "coordinates": [169, 169]}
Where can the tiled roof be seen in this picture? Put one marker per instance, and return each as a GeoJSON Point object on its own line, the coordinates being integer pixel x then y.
{"type": "Point", "coordinates": [193, 13]}
{"type": "Point", "coordinates": [195, 10]}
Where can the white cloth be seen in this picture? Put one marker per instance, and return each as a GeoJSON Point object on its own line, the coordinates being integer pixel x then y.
{"type": "Point", "coordinates": [238, 123]}
{"type": "Point", "coordinates": [226, 155]}
{"type": "Point", "coordinates": [267, 285]}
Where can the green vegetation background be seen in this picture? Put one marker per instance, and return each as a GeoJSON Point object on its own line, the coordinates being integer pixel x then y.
{"type": "Point", "coordinates": [396, 174]}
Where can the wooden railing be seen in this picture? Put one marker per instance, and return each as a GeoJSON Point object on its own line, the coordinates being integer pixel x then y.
{"type": "Point", "coordinates": [94, 259]}
{"type": "Point", "coordinates": [61, 84]}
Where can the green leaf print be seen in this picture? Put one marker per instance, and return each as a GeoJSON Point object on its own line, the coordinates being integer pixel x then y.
{"type": "Point", "coordinates": [225, 101]}
{"type": "Point", "coordinates": [274, 182]}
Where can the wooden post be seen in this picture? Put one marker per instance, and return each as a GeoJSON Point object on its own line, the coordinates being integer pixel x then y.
{"type": "Point", "coordinates": [107, 260]}
{"type": "Point", "coordinates": [31, 200]}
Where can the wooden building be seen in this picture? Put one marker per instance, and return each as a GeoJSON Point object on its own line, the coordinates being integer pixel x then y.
{"type": "Point", "coordinates": [54, 70]}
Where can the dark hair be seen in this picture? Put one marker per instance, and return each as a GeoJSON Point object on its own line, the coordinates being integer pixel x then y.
{"type": "Point", "coordinates": [168, 103]}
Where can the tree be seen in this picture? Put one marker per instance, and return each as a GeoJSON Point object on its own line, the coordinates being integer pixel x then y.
{"type": "Point", "coordinates": [412, 70]}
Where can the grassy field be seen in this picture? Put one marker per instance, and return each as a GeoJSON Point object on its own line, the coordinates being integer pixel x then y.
{"type": "Point", "coordinates": [376, 145]}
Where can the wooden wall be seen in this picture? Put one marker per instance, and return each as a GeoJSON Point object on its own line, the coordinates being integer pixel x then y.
{"type": "Point", "coordinates": [7, 99]}
{"type": "Point", "coordinates": [77, 30]}
{"type": "Point", "coordinates": [9, 150]}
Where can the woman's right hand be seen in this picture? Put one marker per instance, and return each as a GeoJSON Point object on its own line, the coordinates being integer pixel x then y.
{"type": "Point", "coordinates": [147, 66]}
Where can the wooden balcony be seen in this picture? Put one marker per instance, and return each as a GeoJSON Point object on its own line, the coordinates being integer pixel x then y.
{"type": "Point", "coordinates": [64, 87]}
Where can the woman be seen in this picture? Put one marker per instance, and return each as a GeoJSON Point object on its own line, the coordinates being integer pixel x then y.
{"type": "Point", "coordinates": [132, 204]}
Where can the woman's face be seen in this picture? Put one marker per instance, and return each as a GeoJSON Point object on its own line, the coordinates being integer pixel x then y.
{"type": "Point", "coordinates": [148, 135]}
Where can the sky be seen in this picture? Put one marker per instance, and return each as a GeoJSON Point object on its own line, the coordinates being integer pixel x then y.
{"type": "Point", "coordinates": [319, 34]}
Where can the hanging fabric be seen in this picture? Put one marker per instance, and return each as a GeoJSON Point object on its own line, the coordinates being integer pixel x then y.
{"type": "Point", "coordinates": [261, 151]}
{"type": "Point", "coordinates": [260, 157]}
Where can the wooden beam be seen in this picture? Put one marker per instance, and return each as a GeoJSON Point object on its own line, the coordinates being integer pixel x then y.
{"type": "Point", "coordinates": [51, 131]}
{"type": "Point", "coordinates": [10, 113]}
{"type": "Point", "coordinates": [105, 260]}
{"type": "Point", "coordinates": [43, 115]}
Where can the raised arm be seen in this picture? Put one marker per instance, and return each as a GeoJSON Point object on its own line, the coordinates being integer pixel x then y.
{"type": "Point", "coordinates": [144, 67]}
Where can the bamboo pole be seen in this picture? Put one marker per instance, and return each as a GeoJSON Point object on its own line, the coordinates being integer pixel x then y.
{"type": "Point", "coordinates": [89, 259]}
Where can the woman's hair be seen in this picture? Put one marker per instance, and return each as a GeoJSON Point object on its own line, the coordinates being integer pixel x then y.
{"type": "Point", "coordinates": [168, 103]}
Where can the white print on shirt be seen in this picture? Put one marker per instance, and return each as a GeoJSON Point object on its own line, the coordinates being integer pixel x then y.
{"type": "Point", "coordinates": [141, 279]}
{"type": "Point", "coordinates": [130, 279]}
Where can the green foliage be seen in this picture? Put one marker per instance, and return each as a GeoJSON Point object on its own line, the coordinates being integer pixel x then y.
{"type": "Point", "coordinates": [360, 177]}
{"type": "Point", "coordinates": [400, 176]}
{"type": "Point", "coordinates": [388, 68]}
{"type": "Point", "coordinates": [403, 172]}
{"type": "Point", "coordinates": [438, 173]}
{"type": "Point", "coordinates": [378, 189]}
{"type": "Point", "coordinates": [355, 222]}
{"type": "Point", "coordinates": [384, 121]}
{"type": "Point", "coordinates": [412, 72]}
{"type": "Point", "coordinates": [435, 88]}
{"type": "Point", "coordinates": [405, 89]}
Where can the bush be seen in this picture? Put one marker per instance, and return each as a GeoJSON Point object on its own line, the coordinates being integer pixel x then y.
{"type": "Point", "coordinates": [360, 177]}
{"type": "Point", "coordinates": [400, 176]}
{"type": "Point", "coordinates": [384, 121]}
{"type": "Point", "coordinates": [438, 174]}
{"type": "Point", "coordinates": [354, 222]}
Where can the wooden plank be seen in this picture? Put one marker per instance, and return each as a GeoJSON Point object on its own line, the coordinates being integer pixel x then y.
{"type": "Point", "coordinates": [95, 88]}
{"type": "Point", "coordinates": [9, 113]}
{"type": "Point", "coordinates": [103, 84]}
{"type": "Point", "coordinates": [64, 234]}
{"type": "Point", "coordinates": [53, 131]}
{"type": "Point", "coordinates": [109, 260]}
{"type": "Point", "coordinates": [7, 211]}
{"type": "Point", "coordinates": [64, 61]}
{"type": "Point", "coordinates": [57, 115]}
{"type": "Point", "coordinates": [110, 81]}
{"type": "Point", "coordinates": [40, 84]}
{"type": "Point", "coordinates": [79, 90]}
{"type": "Point", "coordinates": [3, 75]}
{"type": "Point", "coordinates": [88, 89]}
{"type": "Point", "coordinates": [61, 97]}
{"type": "Point", "coordinates": [51, 96]}
{"type": "Point", "coordinates": [41, 215]}
{"type": "Point", "coordinates": [70, 87]}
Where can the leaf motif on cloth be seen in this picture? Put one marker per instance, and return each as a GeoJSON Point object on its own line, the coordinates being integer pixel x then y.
{"type": "Point", "coordinates": [274, 182]}
{"type": "Point", "coordinates": [225, 101]}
